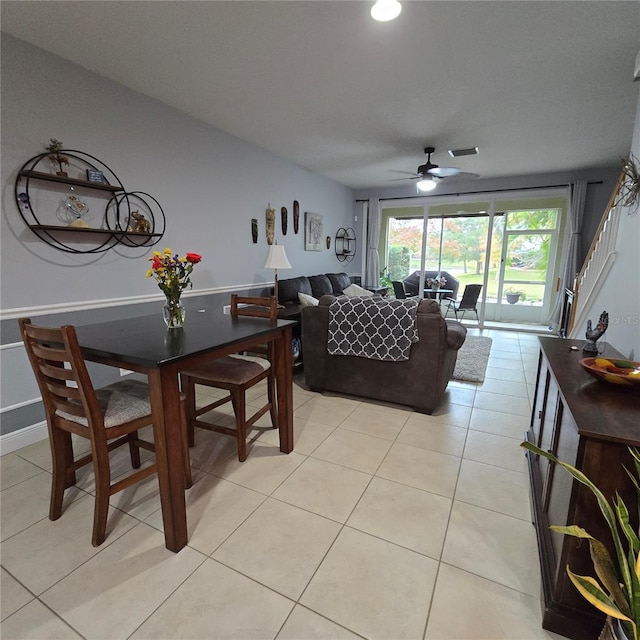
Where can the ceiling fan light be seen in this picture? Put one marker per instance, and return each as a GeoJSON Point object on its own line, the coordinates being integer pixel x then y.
{"type": "Point", "coordinates": [385, 10]}
{"type": "Point", "coordinates": [426, 184]}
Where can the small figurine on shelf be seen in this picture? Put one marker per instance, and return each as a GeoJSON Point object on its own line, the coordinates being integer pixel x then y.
{"type": "Point", "coordinates": [141, 224]}
{"type": "Point", "coordinates": [73, 211]}
{"type": "Point", "coordinates": [54, 148]}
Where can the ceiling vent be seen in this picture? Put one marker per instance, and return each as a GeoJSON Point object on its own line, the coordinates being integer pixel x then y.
{"type": "Point", "coordinates": [457, 153]}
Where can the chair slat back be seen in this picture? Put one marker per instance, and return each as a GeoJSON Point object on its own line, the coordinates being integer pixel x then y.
{"type": "Point", "coordinates": [257, 307]}
{"type": "Point", "coordinates": [470, 296]}
{"type": "Point", "coordinates": [60, 370]}
{"type": "Point", "coordinates": [398, 290]}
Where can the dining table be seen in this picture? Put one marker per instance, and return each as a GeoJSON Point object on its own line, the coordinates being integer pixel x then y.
{"type": "Point", "coordinates": [145, 345]}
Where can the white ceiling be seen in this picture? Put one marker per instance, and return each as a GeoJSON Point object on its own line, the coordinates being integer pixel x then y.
{"type": "Point", "coordinates": [537, 86]}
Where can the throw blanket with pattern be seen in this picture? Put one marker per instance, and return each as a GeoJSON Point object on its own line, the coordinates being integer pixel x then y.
{"type": "Point", "coordinates": [380, 328]}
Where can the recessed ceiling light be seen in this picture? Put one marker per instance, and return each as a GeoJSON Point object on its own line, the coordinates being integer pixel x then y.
{"type": "Point", "coordinates": [385, 10]}
{"type": "Point", "coordinates": [457, 153]}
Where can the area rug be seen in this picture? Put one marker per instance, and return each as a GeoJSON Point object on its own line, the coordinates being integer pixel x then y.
{"type": "Point", "coordinates": [472, 359]}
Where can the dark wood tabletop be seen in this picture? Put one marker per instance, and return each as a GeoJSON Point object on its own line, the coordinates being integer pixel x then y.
{"type": "Point", "coordinates": [146, 345]}
{"type": "Point", "coordinates": [147, 342]}
{"type": "Point", "coordinates": [601, 410]}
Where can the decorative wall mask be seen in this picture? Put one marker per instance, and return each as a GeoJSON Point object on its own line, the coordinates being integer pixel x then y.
{"type": "Point", "coordinates": [296, 216]}
{"type": "Point", "coordinates": [254, 230]}
{"type": "Point", "coordinates": [328, 242]}
{"type": "Point", "coordinates": [271, 224]}
{"type": "Point", "coordinates": [284, 220]}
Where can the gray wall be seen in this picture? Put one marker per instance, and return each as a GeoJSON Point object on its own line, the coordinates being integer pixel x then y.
{"type": "Point", "coordinates": [209, 184]}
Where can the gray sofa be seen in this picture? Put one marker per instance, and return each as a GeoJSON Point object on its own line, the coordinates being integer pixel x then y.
{"type": "Point", "coordinates": [418, 382]}
{"type": "Point", "coordinates": [316, 286]}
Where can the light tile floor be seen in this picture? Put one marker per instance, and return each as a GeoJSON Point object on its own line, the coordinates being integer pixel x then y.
{"type": "Point", "coordinates": [382, 524]}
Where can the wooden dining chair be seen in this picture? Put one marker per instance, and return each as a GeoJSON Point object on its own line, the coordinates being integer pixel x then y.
{"type": "Point", "coordinates": [235, 373]}
{"type": "Point", "coordinates": [108, 417]}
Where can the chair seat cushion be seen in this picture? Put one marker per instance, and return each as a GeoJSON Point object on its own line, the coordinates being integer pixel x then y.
{"type": "Point", "coordinates": [234, 369]}
{"type": "Point", "coordinates": [120, 402]}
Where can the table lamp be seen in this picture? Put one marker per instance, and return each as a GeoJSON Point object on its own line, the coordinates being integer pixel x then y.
{"type": "Point", "coordinates": [276, 259]}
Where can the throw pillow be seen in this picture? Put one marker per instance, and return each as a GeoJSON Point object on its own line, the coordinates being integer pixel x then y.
{"type": "Point", "coordinates": [356, 291]}
{"type": "Point", "coordinates": [339, 282]}
{"type": "Point", "coordinates": [307, 300]}
{"type": "Point", "coordinates": [320, 285]}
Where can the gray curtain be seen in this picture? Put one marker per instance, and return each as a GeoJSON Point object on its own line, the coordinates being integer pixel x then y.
{"type": "Point", "coordinates": [372, 276]}
{"type": "Point", "coordinates": [571, 262]}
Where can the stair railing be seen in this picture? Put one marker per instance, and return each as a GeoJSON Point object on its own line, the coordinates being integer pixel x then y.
{"type": "Point", "coordinates": [598, 263]}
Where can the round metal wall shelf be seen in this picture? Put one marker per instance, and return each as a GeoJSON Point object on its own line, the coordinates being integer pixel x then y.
{"type": "Point", "coordinates": [63, 226]}
{"type": "Point", "coordinates": [345, 244]}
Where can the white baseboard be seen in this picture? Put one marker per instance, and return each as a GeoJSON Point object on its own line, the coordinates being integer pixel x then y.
{"type": "Point", "coordinates": [23, 437]}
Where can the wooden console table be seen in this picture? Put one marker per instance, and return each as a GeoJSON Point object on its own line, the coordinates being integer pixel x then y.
{"type": "Point", "coordinates": [588, 424]}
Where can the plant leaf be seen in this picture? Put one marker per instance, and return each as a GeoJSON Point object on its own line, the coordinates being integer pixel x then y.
{"type": "Point", "coordinates": [603, 565]}
{"type": "Point", "coordinates": [593, 593]}
{"type": "Point", "coordinates": [603, 503]}
{"type": "Point", "coordinates": [623, 517]}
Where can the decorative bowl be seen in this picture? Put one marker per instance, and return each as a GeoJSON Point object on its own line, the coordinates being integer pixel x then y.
{"type": "Point", "coordinates": [613, 370]}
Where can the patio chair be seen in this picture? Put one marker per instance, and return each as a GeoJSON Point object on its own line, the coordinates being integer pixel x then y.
{"type": "Point", "coordinates": [398, 290]}
{"type": "Point", "coordinates": [469, 301]}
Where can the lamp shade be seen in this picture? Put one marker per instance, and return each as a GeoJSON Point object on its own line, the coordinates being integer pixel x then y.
{"type": "Point", "coordinates": [277, 258]}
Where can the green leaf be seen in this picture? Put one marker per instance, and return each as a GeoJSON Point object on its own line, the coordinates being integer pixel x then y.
{"type": "Point", "coordinates": [593, 593]}
{"type": "Point", "coordinates": [606, 571]}
{"type": "Point", "coordinates": [603, 564]}
{"type": "Point", "coordinates": [623, 517]}
{"type": "Point", "coordinates": [604, 505]}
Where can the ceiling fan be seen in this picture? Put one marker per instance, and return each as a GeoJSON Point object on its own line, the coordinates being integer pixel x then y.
{"type": "Point", "coordinates": [429, 173]}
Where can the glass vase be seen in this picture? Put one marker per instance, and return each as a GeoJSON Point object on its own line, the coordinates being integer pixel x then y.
{"type": "Point", "coordinates": [173, 313]}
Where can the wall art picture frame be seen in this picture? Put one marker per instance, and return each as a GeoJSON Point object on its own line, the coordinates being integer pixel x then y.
{"type": "Point", "coordinates": [313, 231]}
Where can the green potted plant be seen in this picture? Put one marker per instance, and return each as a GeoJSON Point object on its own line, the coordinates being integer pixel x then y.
{"type": "Point", "coordinates": [385, 280]}
{"type": "Point", "coordinates": [616, 591]}
{"type": "Point", "coordinates": [513, 295]}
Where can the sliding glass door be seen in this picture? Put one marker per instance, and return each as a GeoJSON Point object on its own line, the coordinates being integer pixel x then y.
{"type": "Point", "coordinates": [507, 245]}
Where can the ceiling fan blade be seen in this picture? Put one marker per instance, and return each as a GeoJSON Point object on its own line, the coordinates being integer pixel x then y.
{"type": "Point", "coordinates": [444, 172]}
{"type": "Point", "coordinates": [410, 176]}
{"type": "Point", "coordinates": [463, 175]}
{"type": "Point", "coordinates": [408, 173]}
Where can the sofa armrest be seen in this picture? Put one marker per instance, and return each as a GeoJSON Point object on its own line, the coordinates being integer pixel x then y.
{"type": "Point", "coordinates": [456, 334]}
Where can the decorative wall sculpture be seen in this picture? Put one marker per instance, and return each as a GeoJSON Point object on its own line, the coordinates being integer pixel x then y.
{"type": "Point", "coordinates": [271, 224]}
{"type": "Point", "coordinates": [296, 216]}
